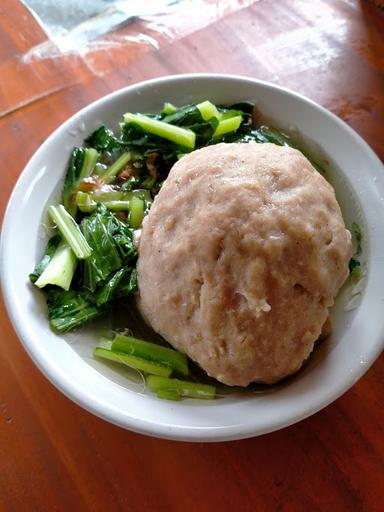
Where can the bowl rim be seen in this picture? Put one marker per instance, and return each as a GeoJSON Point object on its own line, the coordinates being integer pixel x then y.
{"type": "Point", "coordinates": [60, 381]}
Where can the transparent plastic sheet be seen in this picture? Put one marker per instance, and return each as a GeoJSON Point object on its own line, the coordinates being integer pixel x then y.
{"type": "Point", "coordinates": [65, 42]}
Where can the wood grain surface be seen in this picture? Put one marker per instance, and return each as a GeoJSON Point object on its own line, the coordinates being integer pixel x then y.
{"type": "Point", "coordinates": [54, 456]}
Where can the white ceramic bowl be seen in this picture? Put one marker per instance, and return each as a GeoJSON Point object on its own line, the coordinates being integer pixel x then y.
{"type": "Point", "coordinates": [358, 336]}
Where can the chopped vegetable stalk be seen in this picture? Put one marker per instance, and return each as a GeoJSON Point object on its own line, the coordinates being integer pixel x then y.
{"type": "Point", "coordinates": [87, 204]}
{"type": "Point", "coordinates": [118, 165]}
{"type": "Point", "coordinates": [149, 182]}
{"type": "Point", "coordinates": [208, 110]}
{"type": "Point", "coordinates": [60, 269]}
{"type": "Point", "coordinates": [184, 388]}
{"type": "Point", "coordinates": [101, 195]}
{"type": "Point", "coordinates": [90, 158]}
{"type": "Point", "coordinates": [117, 206]}
{"type": "Point", "coordinates": [82, 164]}
{"type": "Point", "coordinates": [168, 394]}
{"type": "Point", "coordinates": [70, 231]}
{"type": "Point", "coordinates": [136, 212]}
{"type": "Point", "coordinates": [105, 343]}
{"type": "Point", "coordinates": [143, 194]}
{"type": "Point", "coordinates": [227, 126]}
{"type": "Point", "coordinates": [167, 356]}
{"type": "Point", "coordinates": [168, 109]}
{"type": "Point", "coordinates": [181, 136]}
{"type": "Point", "coordinates": [137, 363]}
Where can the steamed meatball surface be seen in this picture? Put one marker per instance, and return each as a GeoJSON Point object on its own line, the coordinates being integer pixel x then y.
{"type": "Point", "coordinates": [240, 257]}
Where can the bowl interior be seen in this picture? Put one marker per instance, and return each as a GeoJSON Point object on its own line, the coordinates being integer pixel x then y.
{"type": "Point", "coordinates": [352, 168]}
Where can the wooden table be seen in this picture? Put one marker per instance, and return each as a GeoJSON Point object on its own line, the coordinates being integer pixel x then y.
{"type": "Point", "coordinates": [54, 456]}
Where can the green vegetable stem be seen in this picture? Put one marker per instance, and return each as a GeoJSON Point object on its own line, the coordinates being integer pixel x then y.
{"type": "Point", "coordinates": [60, 268]}
{"type": "Point", "coordinates": [117, 166]}
{"type": "Point", "coordinates": [136, 212]}
{"type": "Point", "coordinates": [166, 356]}
{"type": "Point", "coordinates": [70, 231]}
{"type": "Point", "coordinates": [137, 363]}
{"type": "Point", "coordinates": [170, 388]}
{"type": "Point", "coordinates": [81, 166]}
{"type": "Point", "coordinates": [181, 136]}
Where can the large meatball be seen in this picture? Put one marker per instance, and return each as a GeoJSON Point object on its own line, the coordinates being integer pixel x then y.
{"type": "Point", "coordinates": [240, 257]}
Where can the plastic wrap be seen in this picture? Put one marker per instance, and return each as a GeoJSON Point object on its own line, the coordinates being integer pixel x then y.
{"type": "Point", "coordinates": [68, 41]}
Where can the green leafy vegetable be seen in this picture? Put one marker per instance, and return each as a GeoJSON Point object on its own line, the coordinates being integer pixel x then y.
{"type": "Point", "coordinates": [246, 107]}
{"type": "Point", "coordinates": [115, 286]}
{"type": "Point", "coordinates": [70, 309]}
{"type": "Point", "coordinates": [103, 139]}
{"type": "Point", "coordinates": [149, 182]}
{"type": "Point", "coordinates": [49, 252]}
{"type": "Point", "coordinates": [183, 116]}
{"type": "Point", "coordinates": [135, 182]}
{"type": "Point", "coordinates": [105, 258]}
{"type": "Point", "coordinates": [128, 284]}
{"type": "Point", "coordinates": [356, 230]}
{"type": "Point", "coordinates": [355, 269]}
